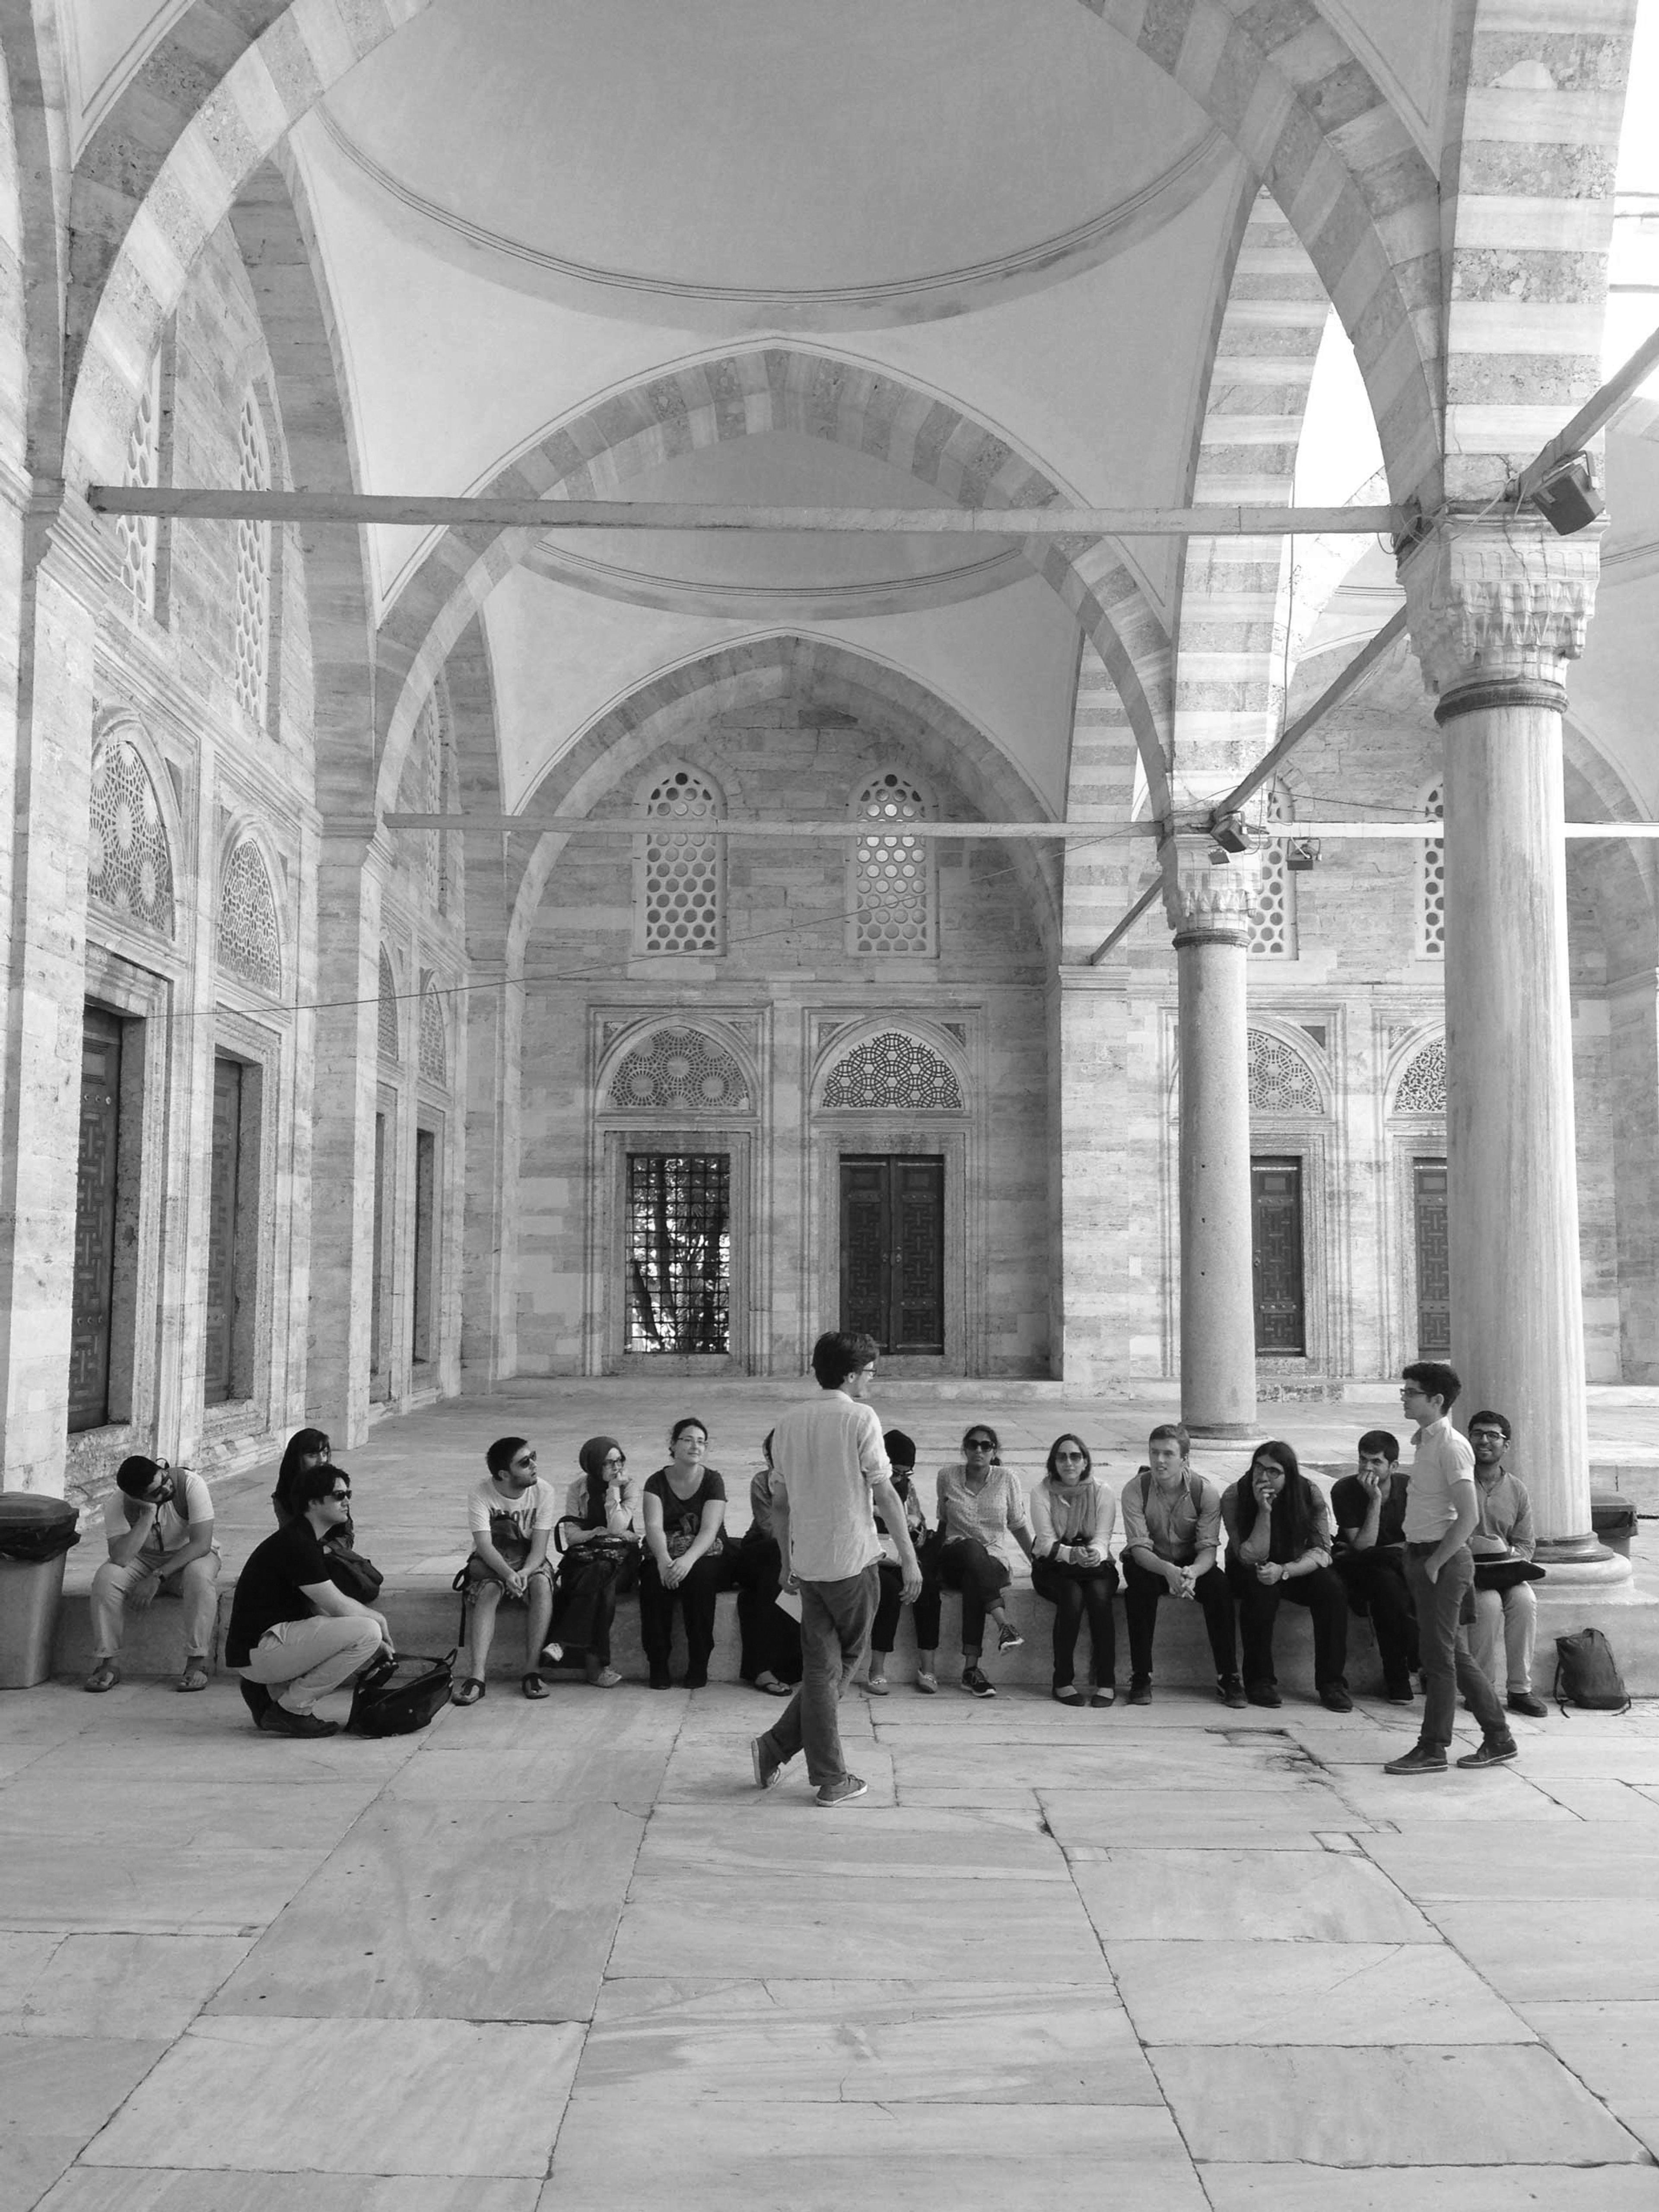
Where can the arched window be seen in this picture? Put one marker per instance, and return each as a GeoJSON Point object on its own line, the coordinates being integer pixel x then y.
{"type": "Point", "coordinates": [137, 535]}
{"type": "Point", "coordinates": [679, 1071]}
{"type": "Point", "coordinates": [1431, 884]}
{"type": "Point", "coordinates": [250, 943]}
{"type": "Point", "coordinates": [429, 771]}
{"type": "Point", "coordinates": [389, 1023]}
{"type": "Point", "coordinates": [434, 1042]}
{"type": "Point", "coordinates": [892, 901]}
{"type": "Point", "coordinates": [680, 887]}
{"type": "Point", "coordinates": [1273, 918]}
{"type": "Point", "coordinates": [253, 665]}
{"type": "Point", "coordinates": [129, 865]}
{"type": "Point", "coordinates": [1422, 1088]}
{"type": "Point", "coordinates": [1281, 1081]}
{"type": "Point", "coordinates": [896, 1072]}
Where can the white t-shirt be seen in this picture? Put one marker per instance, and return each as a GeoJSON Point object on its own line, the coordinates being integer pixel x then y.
{"type": "Point", "coordinates": [532, 1508]}
{"type": "Point", "coordinates": [1444, 1459]}
{"type": "Point", "coordinates": [825, 1456]}
{"type": "Point", "coordinates": [191, 1500]}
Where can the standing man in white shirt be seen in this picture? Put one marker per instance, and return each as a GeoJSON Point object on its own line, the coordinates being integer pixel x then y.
{"type": "Point", "coordinates": [1442, 1512]}
{"type": "Point", "coordinates": [829, 1479]}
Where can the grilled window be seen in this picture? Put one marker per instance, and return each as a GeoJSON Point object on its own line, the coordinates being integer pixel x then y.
{"type": "Point", "coordinates": [680, 1252]}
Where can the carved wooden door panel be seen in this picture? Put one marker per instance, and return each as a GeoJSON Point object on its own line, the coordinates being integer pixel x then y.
{"type": "Point", "coordinates": [1281, 1325]}
{"type": "Point", "coordinates": [1433, 1260]}
{"type": "Point", "coordinates": [95, 1221]}
{"type": "Point", "coordinates": [892, 1252]}
{"type": "Point", "coordinates": [219, 1353]}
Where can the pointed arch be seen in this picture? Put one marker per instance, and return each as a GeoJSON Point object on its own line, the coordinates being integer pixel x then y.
{"type": "Point", "coordinates": [134, 831]}
{"type": "Point", "coordinates": [248, 937]}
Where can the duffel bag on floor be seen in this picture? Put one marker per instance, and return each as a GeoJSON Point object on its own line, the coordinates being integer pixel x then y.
{"type": "Point", "coordinates": [395, 1696]}
{"type": "Point", "coordinates": [1587, 1673]}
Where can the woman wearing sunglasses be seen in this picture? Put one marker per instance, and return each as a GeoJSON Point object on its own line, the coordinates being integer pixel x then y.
{"type": "Point", "coordinates": [980, 1505]}
{"type": "Point", "coordinates": [1073, 1516]}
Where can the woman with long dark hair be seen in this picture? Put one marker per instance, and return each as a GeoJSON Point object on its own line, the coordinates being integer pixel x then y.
{"type": "Point", "coordinates": [980, 1505]}
{"type": "Point", "coordinates": [768, 1637]}
{"type": "Point", "coordinates": [306, 1449]}
{"type": "Point", "coordinates": [1073, 1516]}
{"type": "Point", "coordinates": [600, 1539]}
{"type": "Point", "coordinates": [683, 1563]}
{"type": "Point", "coordinates": [1278, 1546]}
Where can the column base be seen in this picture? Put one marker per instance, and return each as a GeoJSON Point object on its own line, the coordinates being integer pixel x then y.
{"type": "Point", "coordinates": [1226, 1431]}
{"type": "Point", "coordinates": [1579, 1565]}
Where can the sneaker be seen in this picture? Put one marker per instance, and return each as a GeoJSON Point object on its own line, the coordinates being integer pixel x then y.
{"type": "Point", "coordinates": [1336, 1699]}
{"type": "Point", "coordinates": [1421, 1758]}
{"type": "Point", "coordinates": [767, 1765]}
{"type": "Point", "coordinates": [975, 1684]}
{"type": "Point", "coordinates": [1141, 1689]}
{"type": "Point", "coordinates": [1008, 1639]}
{"type": "Point", "coordinates": [257, 1698]}
{"type": "Point", "coordinates": [1522, 1701]}
{"type": "Point", "coordinates": [1495, 1752]}
{"type": "Point", "coordinates": [277, 1720]}
{"type": "Point", "coordinates": [1399, 1693]}
{"type": "Point", "coordinates": [1263, 1693]}
{"type": "Point", "coordinates": [1230, 1690]}
{"type": "Point", "coordinates": [843, 1792]}
{"type": "Point", "coordinates": [928, 1684]}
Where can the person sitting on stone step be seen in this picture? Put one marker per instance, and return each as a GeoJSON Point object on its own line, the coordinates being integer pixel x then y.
{"type": "Point", "coordinates": [291, 1630]}
{"type": "Point", "coordinates": [599, 1533]}
{"type": "Point", "coordinates": [1506, 1618]}
{"type": "Point", "coordinates": [685, 1562]}
{"type": "Point", "coordinates": [1171, 1534]}
{"type": "Point", "coordinates": [1074, 1513]}
{"type": "Point", "coordinates": [1369, 1508]}
{"type": "Point", "coordinates": [158, 1523]}
{"type": "Point", "coordinates": [1278, 1546]}
{"type": "Point", "coordinates": [768, 1637]}
{"type": "Point", "coordinates": [980, 1505]}
{"type": "Point", "coordinates": [510, 1514]}
{"type": "Point", "coordinates": [924, 1614]}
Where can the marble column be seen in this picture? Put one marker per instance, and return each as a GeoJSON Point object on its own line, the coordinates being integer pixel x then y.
{"type": "Point", "coordinates": [1498, 608]}
{"type": "Point", "coordinates": [1218, 1308]}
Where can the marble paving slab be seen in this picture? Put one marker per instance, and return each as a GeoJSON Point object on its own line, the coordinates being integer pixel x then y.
{"type": "Point", "coordinates": [885, 2043]}
{"type": "Point", "coordinates": [202, 1816]}
{"type": "Point", "coordinates": [1192, 1896]}
{"type": "Point", "coordinates": [930, 1773]}
{"type": "Point", "coordinates": [1505, 1794]}
{"type": "Point", "coordinates": [1202, 1816]}
{"type": "Point", "coordinates": [1307, 1993]}
{"type": "Point", "coordinates": [55, 2094]}
{"type": "Point", "coordinates": [53, 1883]}
{"type": "Point", "coordinates": [234, 1754]}
{"type": "Point", "coordinates": [1430, 2189]}
{"type": "Point", "coordinates": [1454, 1863]}
{"type": "Point", "coordinates": [819, 2157]}
{"type": "Point", "coordinates": [1629, 1803]}
{"type": "Point", "coordinates": [429, 2097]}
{"type": "Point", "coordinates": [630, 1775]}
{"type": "Point", "coordinates": [136, 2189]}
{"type": "Point", "coordinates": [1517, 2106]}
{"type": "Point", "coordinates": [718, 1772]}
{"type": "Point", "coordinates": [1564, 1951]}
{"type": "Point", "coordinates": [778, 1836]}
{"type": "Point", "coordinates": [1613, 2049]}
{"type": "Point", "coordinates": [472, 1910]}
{"type": "Point", "coordinates": [141, 1986]}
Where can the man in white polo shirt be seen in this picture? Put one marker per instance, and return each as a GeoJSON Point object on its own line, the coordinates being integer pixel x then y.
{"type": "Point", "coordinates": [829, 1479]}
{"type": "Point", "coordinates": [1442, 1512]}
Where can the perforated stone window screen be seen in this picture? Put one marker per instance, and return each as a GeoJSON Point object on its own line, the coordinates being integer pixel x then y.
{"type": "Point", "coordinates": [429, 742]}
{"type": "Point", "coordinates": [434, 1040]}
{"type": "Point", "coordinates": [1431, 884]}
{"type": "Point", "coordinates": [253, 635]}
{"type": "Point", "coordinates": [897, 1072]}
{"type": "Point", "coordinates": [128, 865]}
{"type": "Point", "coordinates": [136, 534]}
{"type": "Point", "coordinates": [250, 942]}
{"type": "Point", "coordinates": [1423, 1087]}
{"type": "Point", "coordinates": [389, 1030]}
{"type": "Point", "coordinates": [682, 876]}
{"type": "Point", "coordinates": [1281, 1081]}
{"type": "Point", "coordinates": [1273, 918]}
{"type": "Point", "coordinates": [892, 875]}
{"type": "Point", "coordinates": [680, 1071]}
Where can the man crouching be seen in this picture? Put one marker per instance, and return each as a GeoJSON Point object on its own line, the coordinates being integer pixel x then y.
{"type": "Point", "coordinates": [291, 1630]}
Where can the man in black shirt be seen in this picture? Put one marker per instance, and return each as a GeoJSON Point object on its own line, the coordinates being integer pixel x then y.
{"type": "Point", "coordinates": [290, 1628]}
{"type": "Point", "coordinates": [1368, 1507]}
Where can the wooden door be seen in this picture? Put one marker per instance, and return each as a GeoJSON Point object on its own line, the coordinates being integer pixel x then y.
{"type": "Point", "coordinates": [1281, 1327]}
{"type": "Point", "coordinates": [95, 1221]}
{"type": "Point", "coordinates": [892, 1252]}
{"type": "Point", "coordinates": [1433, 1260]}
{"type": "Point", "coordinates": [219, 1359]}
{"type": "Point", "coordinates": [426, 1224]}
{"type": "Point", "coordinates": [379, 1367]}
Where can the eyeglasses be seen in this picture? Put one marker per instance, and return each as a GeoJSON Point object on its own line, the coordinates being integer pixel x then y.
{"type": "Point", "coordinates": [1488, 1437]}
{"type": "Point", "coordinates": [613, 1459]}
{"type": "Point", "coordinates": [1070, 1454]}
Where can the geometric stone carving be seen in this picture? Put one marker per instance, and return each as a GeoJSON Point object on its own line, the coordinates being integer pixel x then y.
{"type": "Point", "coordinates": [253, 607]}
{"type": "Point", "coordinates": [250, 943]}
{"type": "Point", "coordinates": [681, 867]}
{"type": "Point", "coordinates": [135, 534]}
{"type": "Point", "coordinates": [1423, 1087]}
{"type": "Point", "coordinates": [1272, 924]}
{"type": "Point", "coordinates": [1498, 597]}
{"type": "Point", "coordinates": [1431, 884]}
{"type": "Point", "coordinates": [897, 1072]}
{"type": "Point", "coordinates": [890, 872]}
{"type": "Point", "coordinates": [129, 866]}
{"type": "Point", "coordinates": [679, 1071]}
{"type": "Point", "coordinates": [1281, 1081]}
{"type": "Point", "coordinates": [434, 1044]}
{"type": "Point", "coordinates": [390, 1026]}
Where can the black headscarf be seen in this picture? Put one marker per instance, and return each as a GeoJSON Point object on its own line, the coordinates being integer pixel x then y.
{"type": "Point", "coordinates": [590, 1459]}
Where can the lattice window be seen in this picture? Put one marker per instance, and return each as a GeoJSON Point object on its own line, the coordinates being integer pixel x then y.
{"type": "Point", "coordinates": [429, 754]}
{"type": "Point", "coordinates": [682, 876]}
{"type": "Point", "coordinates": [1423, 1087]}
{"type": "Point", "coordinates": [1281, 1081]}
{"type": "Point", "coordinates": [892, 876]}
{"type": "Point", "coordinates": [389, 1023]}
{"type": "Point", "coordinates": [1431, 884]}
{"type": "Point", "coordinates": [250, 943]}
{"type": "Point", "coordinates": [680, 1071]}
{"type": "Point", "coordinates": [897, 1072]}
{"type": "Point", "coordinates": [129, 866]}
{"type": "Point", "coordinates": [136, 535]}
{"type": "Point", "coordinates": [1272, 917]}
{"type": "Point", "coordinates": [252, 643]}
{"type": "Point", "coordinates": [680, 1252]}
{"type": "Point", "coordinates": [435, 1041]}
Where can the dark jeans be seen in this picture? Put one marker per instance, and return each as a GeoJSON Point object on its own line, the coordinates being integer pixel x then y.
{"type": "Point", "coordinates": [770, 1639]}
{"type": "Point", "coordinates": [1074, 1591]}
{"type": "Point", "coordinates": [1324, 1596]}
{"type": "Point", "coordinates": [1142, 1590]}
{"type": "Point", "coordinates": [1376, 1583]}
{"type": "Point", "coordinates": [835, 1620]}
{"type": "Point", "coordinates": [965, 1564]}
{"type": "Point", "coordinates": [1448, 1663]}
{"type": "Point", "coordinates": [694, 1597]}
{"type": "Point", "coordinates": [585, 1594]}
{"type": "Point", "coordinates": [925, 1612]}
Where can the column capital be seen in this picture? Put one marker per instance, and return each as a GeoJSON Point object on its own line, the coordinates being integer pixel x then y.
{"type": "Point", "coordinates": [1500, 598]}
{"type": "Point", "coordinates": [1207, 904]}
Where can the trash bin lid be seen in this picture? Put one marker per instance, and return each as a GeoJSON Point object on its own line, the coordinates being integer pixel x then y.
{"type": "Point", "coordinates": [33, 1510]}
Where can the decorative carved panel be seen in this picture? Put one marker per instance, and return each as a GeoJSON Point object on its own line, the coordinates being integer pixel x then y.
{"type": "Point", "coordinates": [250, 943]}
{"type": "Point", "coordinates": [129, 866]}
{"type": "Point", "coordinates": [390, 1026]}
{"type": "Point", "coordinates": [896, 1072]}
{"type": "Point", "coordinates": [1281, 1081]}
{"type": "Point", "coordinates": [680, 1071]}
{"type": "Point", "coordinates": [434, 1042]}
{"type": "Point", "coordinates": [1423, 1087]}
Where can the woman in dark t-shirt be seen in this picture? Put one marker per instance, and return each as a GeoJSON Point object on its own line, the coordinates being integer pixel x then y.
{"type": "Point", "coordinates": [684, 1507]}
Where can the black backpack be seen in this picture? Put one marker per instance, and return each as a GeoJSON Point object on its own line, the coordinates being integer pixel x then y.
{"type": "Point", "coordinates": [395, 1696]}
{"type": "Point", "coordinates": [1587, 1673]}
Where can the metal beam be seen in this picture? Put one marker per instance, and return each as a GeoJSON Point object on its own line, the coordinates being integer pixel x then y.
{"type": "Point", "coordinates": [195, 504]}
{"type": "Point", "coordinates": [1597, 412]}
{"type": "Point", "coordinates": [582, 825]}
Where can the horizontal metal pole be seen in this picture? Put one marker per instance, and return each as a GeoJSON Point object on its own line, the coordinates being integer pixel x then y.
{"type": "Point", "coordinates": [1273, 832]}
{"type": "Point", "coordinates": [1597, 412]}
{"type": "Point", "coordinates": [583, 825]}
{"type": "Point", "coordinates": [193, 503]}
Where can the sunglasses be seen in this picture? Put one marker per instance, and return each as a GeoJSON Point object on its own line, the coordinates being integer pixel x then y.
{"type": "Point", "coordinates": [340, 1497]}
{"type": "Point", "coordinates": [1059, 1456]}
{"type": "Point", "coordinates": [981, 1444]}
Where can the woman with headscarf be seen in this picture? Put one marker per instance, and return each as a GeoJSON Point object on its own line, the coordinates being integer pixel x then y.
{"type": "Point", "coordinates": [599, 1537]}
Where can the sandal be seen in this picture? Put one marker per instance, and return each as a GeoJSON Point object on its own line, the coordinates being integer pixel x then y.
{"type": "Point", "coordinates": [104, 1676]}
{"type": "Point", "coordinates": [606, 1678]}
{"type": "Point", "coordinates": [467, 1690]}
{"type": "Point", "coordinates": [195, 1676]}
{"type": "Point", "coordinates": [773, 1688]}
{"type": "Point", "coordinates": [533, 1687]}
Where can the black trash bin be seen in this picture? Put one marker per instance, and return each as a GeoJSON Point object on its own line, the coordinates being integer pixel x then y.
{"type": "Point", "coordinates": [35, 1535]}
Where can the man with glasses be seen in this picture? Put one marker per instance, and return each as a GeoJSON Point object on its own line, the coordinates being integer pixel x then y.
{"type": "Point", "coordinates": [1442, 1514]}
{"type": "Point", "coordinates": [158, 1523]}
{"type": "Point", "coordinates": [291, 1630]}
{"type": "Point", "coordinates": [1505, 1611]}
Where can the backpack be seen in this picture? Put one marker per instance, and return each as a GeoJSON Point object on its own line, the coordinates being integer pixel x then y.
{"type": "Point", "coordinates": [1587, 1673]}
{"type": "Point", "coordinates": [395, 1696]}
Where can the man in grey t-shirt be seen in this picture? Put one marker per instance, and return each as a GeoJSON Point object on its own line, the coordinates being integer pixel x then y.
{"type": "Point", "coordinates": [829, 1479]}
